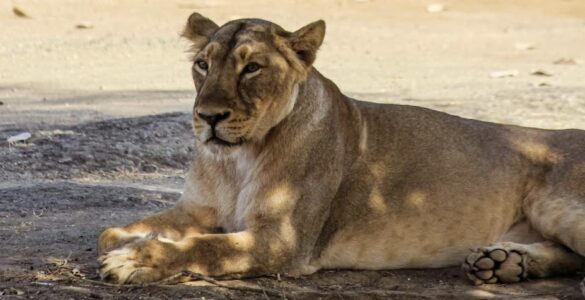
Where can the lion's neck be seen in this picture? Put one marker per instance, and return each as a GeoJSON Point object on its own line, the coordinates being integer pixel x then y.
{"type": "Point", "coordinates": [328, 108]}
{"type": "Point", "coordinates": [318, 97]}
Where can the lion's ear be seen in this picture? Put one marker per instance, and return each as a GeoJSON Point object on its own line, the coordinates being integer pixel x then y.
{"type": "Point", "coordinates": [199, 30]}
{"type": "Point", "coordinates": [307, 40]}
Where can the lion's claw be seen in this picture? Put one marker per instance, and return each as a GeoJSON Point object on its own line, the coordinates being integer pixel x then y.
{"type": "Point", "coordinates": [131, 264]}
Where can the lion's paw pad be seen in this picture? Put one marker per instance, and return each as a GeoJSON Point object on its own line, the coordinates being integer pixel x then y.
{"type": "Point", "coordinates": [495, 265]}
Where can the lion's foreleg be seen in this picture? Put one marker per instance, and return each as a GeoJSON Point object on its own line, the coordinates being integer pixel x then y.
{"type": "Point", "coordinates": [243, 253]}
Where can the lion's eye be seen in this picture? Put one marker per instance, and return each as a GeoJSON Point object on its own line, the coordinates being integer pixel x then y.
{"type": "Point", "coordinates": [202, 65]}
{"type": "Point", "coordinates": [251, 68]}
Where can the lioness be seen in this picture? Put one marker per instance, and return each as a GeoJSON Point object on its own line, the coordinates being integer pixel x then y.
{"type": "Point", "coordinates": [291, 176]}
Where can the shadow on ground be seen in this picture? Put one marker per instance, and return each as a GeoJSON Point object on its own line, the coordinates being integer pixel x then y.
{"type": "Point", "coordinates": [51, 217]}
{"type": "Point", "coordinates": [131, 145]}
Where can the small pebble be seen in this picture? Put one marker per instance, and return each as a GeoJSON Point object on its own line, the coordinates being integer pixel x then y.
{"type": "Point", "coordinates": [566, 61]}
{"type": "Point", "coordinates": [541, 73]}
{"type": "Point", "coordinates": [84, 25]}
{"type": "Point", "coordinates": [148, 168]}
{"type": "Point", "coordinates": [20, 13]}
{"type": "Point", "coordinates": [21, 137]}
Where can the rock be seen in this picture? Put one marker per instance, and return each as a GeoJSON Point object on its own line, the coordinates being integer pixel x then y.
{"type": "Point", "coordinates": [149, 168]}
{"type": "Point", "coordinates": [84, 25]}
{"type": "Point", "coordinates": [20, 13]}
{"type": "Point", "coordinates": [541, 73]}
{"type": "Point", "coordinates": [566, 61]}
{"type": "Point", "coordinates": [21, 137]}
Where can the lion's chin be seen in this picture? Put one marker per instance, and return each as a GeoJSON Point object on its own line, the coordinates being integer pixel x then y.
{"type": "Point", "coordinates": [219, 147]}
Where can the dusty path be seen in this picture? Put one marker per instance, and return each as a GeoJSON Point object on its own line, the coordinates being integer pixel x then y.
{"type": "Point", "coordinates": [85, 169]}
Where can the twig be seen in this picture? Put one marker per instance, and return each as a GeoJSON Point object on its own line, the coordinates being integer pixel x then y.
{"type": "Point", "coordinates": [165, 281]}
{"type": "Point", "coordinates": [191, 275]}
{"type": "Point", "coordinates": [261, 290]}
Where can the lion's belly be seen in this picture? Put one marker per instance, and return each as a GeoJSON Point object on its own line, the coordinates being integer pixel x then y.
{"type": "Point", "coordinates": [382, 249]}
{"type": "Point", "coordinates": [405, 243]}
{"type": "Point", "coordinates": [385, 218]}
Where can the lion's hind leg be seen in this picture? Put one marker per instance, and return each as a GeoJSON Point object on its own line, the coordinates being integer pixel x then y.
{"type": "Point", "coordinates": [559, 213]}
{"type": "Point", "coordinates": [508, 262]}
{"type": "Point", "coordinates": [557, 209]}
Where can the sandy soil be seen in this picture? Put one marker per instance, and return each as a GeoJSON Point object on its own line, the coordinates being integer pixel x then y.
{"type": "Point", "coordinates": [108, 107]}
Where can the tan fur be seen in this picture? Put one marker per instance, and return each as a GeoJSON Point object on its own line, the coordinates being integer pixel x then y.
{"type": "Point", "coordinates": [300, 177]}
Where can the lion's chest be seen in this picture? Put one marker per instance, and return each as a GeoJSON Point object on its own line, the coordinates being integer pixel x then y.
{"type": "Point", "coordinates": [235, 193]}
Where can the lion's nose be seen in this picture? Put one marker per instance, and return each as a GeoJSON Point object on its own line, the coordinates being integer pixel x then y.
{"type": "Point", "coordinates": [213, 119]}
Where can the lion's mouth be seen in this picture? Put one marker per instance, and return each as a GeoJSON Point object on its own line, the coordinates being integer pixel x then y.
{"type": "Point", "coordinates": [221, 142]}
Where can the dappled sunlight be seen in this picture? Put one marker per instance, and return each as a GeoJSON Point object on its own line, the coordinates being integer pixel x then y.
{"type": "Point", "coordinates": [279, 199]}
{"type": "Point", "coordinates": [535, 149]}
{"type": "Point", "coordinates": [238, 263]}
{"type": "Point", "coordinates": [243, 241]}
{"type": "Point", "coordinates": [519, 289]}
{"type": "Point", "coordinates": [480, 294]}
{"type": "Point", "coordinates": [376, 202]}
{"type": "Point", "coordinates": [378, 170]}
{"type": "Point", "coordinates": [363, 145]}
{"type": "Point", "coordinates": [287, 232]}
{"type": "Point", "coordinates": [416, 199]}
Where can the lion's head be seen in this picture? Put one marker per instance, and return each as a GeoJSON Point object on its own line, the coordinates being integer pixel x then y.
{"type": "Point", "coordinates": [246, 73]}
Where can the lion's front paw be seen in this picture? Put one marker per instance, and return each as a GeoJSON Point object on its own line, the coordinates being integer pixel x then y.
{"type": "Point", "coordinates": [116, 237]}
{"type": "Point", "coordinates": [495, 265]}
{"type": "Point", "coordinates": [139, 262]}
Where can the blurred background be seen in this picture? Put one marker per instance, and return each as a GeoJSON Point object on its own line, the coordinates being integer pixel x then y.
{"type": "Point", "coordinates": [521, 62]}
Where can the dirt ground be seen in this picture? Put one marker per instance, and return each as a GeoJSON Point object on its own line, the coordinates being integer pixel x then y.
{"type": "Point", "coordinates": [108, 108]}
